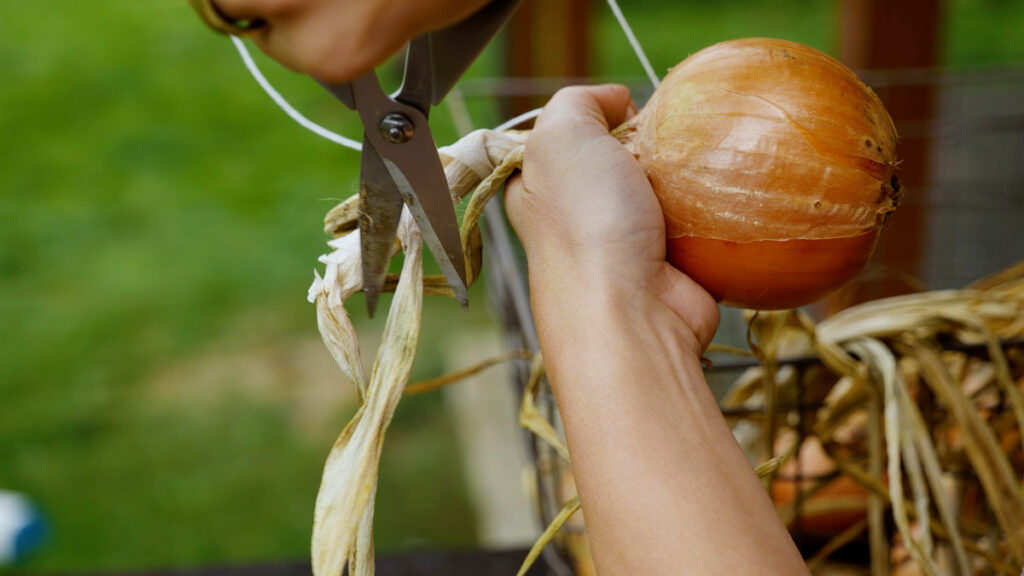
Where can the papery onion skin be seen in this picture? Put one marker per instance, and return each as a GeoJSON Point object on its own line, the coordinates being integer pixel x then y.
{"type": "Point", "coordinates": [771, 274]}
{"type": "Point", "coordinates": [775, 168]}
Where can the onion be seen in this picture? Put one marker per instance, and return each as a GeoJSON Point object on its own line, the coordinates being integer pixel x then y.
{"type": "Point", "coordinates": [775, 168]}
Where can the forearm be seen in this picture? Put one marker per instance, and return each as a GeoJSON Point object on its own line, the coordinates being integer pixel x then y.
{"type": "Point", "coordinates": [656, 465]}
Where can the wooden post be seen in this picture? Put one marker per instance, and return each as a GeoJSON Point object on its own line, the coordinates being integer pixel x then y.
{"type": "Point", "coordinates": [547, 39]}
{"type": "Point", "coordinates": [878, 38]}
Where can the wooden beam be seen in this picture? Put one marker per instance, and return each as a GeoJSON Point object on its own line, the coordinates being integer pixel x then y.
{"type": "Point", "coordinates": [878, 38]}
{"type": "Point", "coordinates": [547, 39]}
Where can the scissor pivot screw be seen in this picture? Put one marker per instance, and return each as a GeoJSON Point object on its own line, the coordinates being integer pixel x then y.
{"type": "Point", "coordinates": [397, 128]}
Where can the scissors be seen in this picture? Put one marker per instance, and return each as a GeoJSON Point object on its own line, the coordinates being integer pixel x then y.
{"type": "Point", "coordinates": [399, 163]}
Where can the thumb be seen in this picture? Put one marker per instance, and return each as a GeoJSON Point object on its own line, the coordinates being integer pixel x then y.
{"type": "Point", "coordinates": [690, 302]}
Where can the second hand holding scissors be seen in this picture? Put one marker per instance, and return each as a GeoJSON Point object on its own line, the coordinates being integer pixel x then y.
{"type": "Point", "coordinates": [400, 164]}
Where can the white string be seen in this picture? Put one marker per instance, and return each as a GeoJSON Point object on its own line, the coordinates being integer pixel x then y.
{"type": "Point", "coordinates": [319, 130]}
{"type": "Point", "coordinates": [306, 123]}
{"type": "Point", "coordinates": [509, 124]}
{"type": "Point", "coordinates": [614, 5]}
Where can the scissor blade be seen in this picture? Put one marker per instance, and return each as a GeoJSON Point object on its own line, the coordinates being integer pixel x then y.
{"type": "Point", "coordinates": [415, 168]}
{"type": "Point", "coordinates": [342, 91]}
{"type": "Point", "coordinates": [454, 49]}
{"type": "Point", "coordinates": [380, 207]}
{"type": "Point", "coordinates": [417, 81]}
{"type": "Point", "coordinates": [431, 206]}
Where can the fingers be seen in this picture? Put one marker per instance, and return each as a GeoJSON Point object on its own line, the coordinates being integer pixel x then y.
{"type": "Point", "coordinates": [608, 105]}
{"type": "Point", "coordinates": [315, 43]}
{"type": "Point", "coordinates": [580, 185]}
{"type": "Point", "coordinates": [238, 9]}
{"type": "Point", "coordinates": [571, 143]}
{"type": "Point", "coordinates": [337, 40]}
{"type": "Point", "coordinates": [514, 193]}
{"type": "Point", "coordinates": [575, 120]}
{"type": "Point", "coordinates": [584, 210]}
{"type": "Point", "coordinates": [331, 40]}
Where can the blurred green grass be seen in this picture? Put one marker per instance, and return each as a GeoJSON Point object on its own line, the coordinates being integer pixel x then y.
{"type": "Point", "coordinates": [156, 207]}
{"type": "Point", "coordinates": [158, 214]}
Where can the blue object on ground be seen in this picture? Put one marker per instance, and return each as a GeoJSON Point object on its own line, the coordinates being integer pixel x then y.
{"type": "Point", "coordinates": [22, 528]}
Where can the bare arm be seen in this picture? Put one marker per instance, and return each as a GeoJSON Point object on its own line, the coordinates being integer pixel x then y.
{"type": "Point", "coordinates": [665, 489]}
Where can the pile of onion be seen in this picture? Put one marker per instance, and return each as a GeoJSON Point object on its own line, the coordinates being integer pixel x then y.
{"type": "Point", "coordinates": [775, 168]}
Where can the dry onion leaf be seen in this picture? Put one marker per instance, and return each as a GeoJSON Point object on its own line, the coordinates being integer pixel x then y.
{"type": "Point", "coordinates": [343, 516]}
{"type": "Point", "coordinates": [442, 381]}
{"type": "Point", "coordinates": [349, 480]}
{"type": "Point", "coordinates": [531, 418]}
{"type": "Point", "coordinates": [549, 533]}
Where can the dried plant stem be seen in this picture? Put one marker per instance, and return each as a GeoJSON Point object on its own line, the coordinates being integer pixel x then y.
{"type": "Point", "coordinates": [880, 358]}
{"type": "Point", "coordinates": [869, 482]}
{"type": "Point", "coordinates": [450, 378]}
{"type": "Point", "coordinates": [913, 327]}
{"type": "Point", "coordinates": [433, 285]}
{"type": "Point", "coordinates": [930, 463]}
{"type": "Point", "coordinates": [360, 559]}
{"type": "Point", "coordinates": [761, 337]}
{"type": "Point", "coordinates": [768, 467]}
{"type": "Point", "coordinates": [922, 504]}
{"type": "Point", "coordinates": [912, 466]}
{"type": "Point", "coordinates": [837, 542]}
{"type": "Point", "coordinates": [982, 449]}
{"type": "Point", "coordinates": [568, 510]}
{"type": "Point", "coordinates": [846, 398]}
{"type": "Point", "coordinates": [342, 529]}
{"type": "Point", "coordinates": [349, 480]}
{"type": "Point", "coordinates": [489, 187]}
{"type": "Point", "coordinates": [531, 418]}
{"type": "Point", "coordinates": [726, 349]}
{"type": "Point", "coordinates": [876, 503]}
{"type": "Point", "coordinates": [1006, 384]}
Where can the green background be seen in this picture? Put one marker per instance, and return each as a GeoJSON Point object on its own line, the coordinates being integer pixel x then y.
{"type": "Point", "coordinates": [163, 395]}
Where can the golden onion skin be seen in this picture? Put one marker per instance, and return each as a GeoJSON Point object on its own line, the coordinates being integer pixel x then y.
{"type": "Point", "coordinates": [775, 168]}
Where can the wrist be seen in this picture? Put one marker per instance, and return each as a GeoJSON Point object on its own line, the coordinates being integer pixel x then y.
{"type": "Point", "coordinates": [577, 304]}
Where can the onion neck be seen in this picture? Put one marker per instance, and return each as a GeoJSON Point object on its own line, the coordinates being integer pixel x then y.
{"type": "Point", "coordinates": [627, 132]}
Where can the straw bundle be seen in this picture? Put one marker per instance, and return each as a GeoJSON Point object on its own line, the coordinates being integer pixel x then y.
{"type": "Point", "coordinates": [920, 407]}
{"type": "Point", "coordinates": [902, 412]}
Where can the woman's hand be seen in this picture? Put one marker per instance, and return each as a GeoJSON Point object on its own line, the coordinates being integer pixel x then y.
{"type": "Point", "coordinates": [337, 40]}
{"type": "Point", "coordinates": [664, 487]}
{"type": "Point", "coordinates": [588, 217]}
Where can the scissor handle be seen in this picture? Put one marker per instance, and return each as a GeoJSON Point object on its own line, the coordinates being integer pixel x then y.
{"type": "Point", "coordinates": [435, 61]}
{"type": "Point", "coordinates": [453, 49]}
{"type": "Point", "coordinates": [415, 89]}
